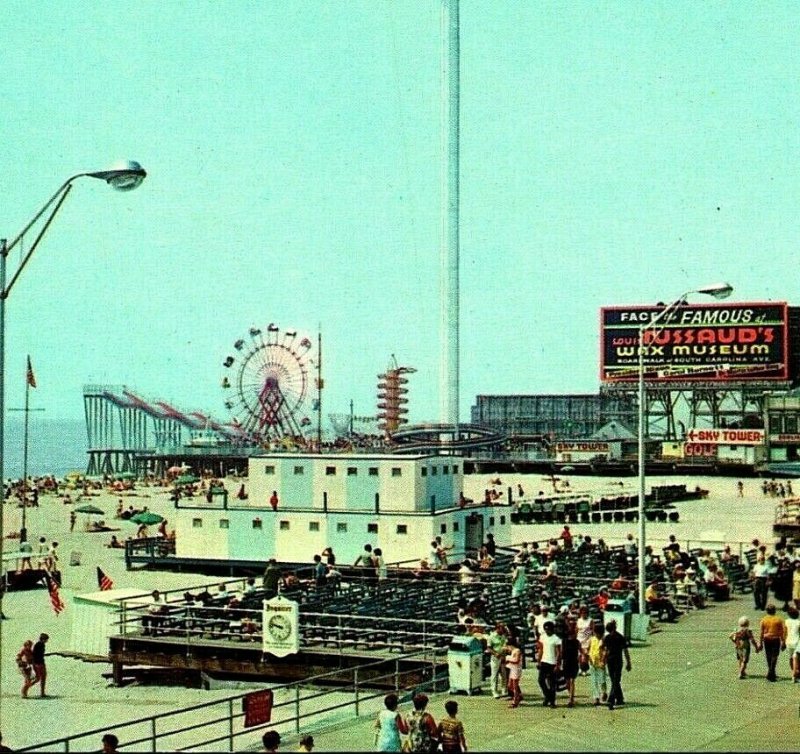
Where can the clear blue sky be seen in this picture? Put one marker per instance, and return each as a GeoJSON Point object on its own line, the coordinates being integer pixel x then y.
{"type": "Point", "coordinates": [612, 153]}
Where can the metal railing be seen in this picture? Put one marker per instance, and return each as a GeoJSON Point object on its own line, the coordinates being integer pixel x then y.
{"type": "Point", "coordinates": [222, 726]}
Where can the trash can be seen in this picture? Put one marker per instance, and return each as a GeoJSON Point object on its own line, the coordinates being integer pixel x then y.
{"type": "Point", "coordinates": [465, 664]}
{"type": "Point", "coordinates": [619, 611]}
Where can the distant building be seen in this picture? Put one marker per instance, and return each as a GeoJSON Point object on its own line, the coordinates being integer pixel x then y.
{"type": "Point", "coordinates": [526, 417]}
{"type": "Point", "coordinates": [397, 503]}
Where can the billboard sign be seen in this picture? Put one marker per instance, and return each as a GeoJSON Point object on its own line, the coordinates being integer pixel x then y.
{"type": "Point", "coordinates": [702, 343]}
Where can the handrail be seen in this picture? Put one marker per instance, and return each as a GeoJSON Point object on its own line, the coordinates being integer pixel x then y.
{"type": "Point", "coordinates": [230, 716]}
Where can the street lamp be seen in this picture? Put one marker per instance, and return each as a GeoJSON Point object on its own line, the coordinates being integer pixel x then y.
{"type": "Point", "coordinates": [124, 176]}
{"type": "Point", "coordinates": [718, 291]}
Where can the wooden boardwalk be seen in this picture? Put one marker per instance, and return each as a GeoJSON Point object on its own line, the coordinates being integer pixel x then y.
{"type": "Point", "coordinates": [683, 694]}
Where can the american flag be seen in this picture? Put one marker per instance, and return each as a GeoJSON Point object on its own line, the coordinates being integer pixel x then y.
{"type": "Point", "coordinates": [103, 581]}
{"type": "Point", "coordinates": [55, 597]}
{"type": "Point", "coordinates": [29, 376]}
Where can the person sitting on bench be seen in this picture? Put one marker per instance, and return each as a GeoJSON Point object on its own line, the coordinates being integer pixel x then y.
{"type": "Point", "coordinates": [658, 605]}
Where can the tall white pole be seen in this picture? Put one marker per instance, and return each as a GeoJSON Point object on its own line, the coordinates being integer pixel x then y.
{"type": "Point", "coordinates": [448, 382]}
{"type": "Point", "coordinates": [642, 422]}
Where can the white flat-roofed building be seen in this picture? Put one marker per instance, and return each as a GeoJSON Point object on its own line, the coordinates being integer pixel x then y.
{"type": "Point", "coordinates": [396, 502]}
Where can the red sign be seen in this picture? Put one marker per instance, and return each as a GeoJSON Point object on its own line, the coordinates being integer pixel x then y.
{"type": "Point", "coordinates": [257, 708]}
{"type": "Point", "coordinates": [695, 343]}
{"type": "Point", "coordinates": [727, 436]}
{"type": "Point", "coordinates": [695, 449]}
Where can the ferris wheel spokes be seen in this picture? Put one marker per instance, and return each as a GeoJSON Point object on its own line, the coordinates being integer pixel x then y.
{"type": "Point", "coordinates": [267, 393]}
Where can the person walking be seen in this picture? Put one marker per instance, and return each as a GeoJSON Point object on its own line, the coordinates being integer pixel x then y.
{"type": "Point", "coordinates": [451, 731]}
{"type": "Point", "coordinates": [793, 641]}
{"type": "Point", "coordinates": [390, 725]}
{"type": "Point", "coordinates": [514, 665]}
{"type": "Point", "coordinates": [39, 665]}
{"type": "Point", "coordinates": [422, 728]}
{"type": "Point", "coordinates": [773, 640]}
{"type": "Point", "coordinates": [548, 661]}
{"type": "Point", "coordinates": [570, 652]}
{"type": "Point", "coordinates": [495, 647]}
{"type": "Point", "coordinates": [25, 665]}
{"type": "Point", "coordinates": [616, 649]}
{"type": "Point", "coordinates": [596, 655]}
{"type": "Point", "coordinates": [760, 574]}
{"type": "Point", "coordinates": [743, 639]}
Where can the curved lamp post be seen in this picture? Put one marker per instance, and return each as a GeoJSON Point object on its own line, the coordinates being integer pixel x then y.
{"type": "Point", "coordinates": [718, 291]}
{"type": "Point", "coordinates": [124, 176]}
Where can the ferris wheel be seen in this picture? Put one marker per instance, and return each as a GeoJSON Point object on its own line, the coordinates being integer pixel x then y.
{"type": "Point", "coordinates": [265, 384]}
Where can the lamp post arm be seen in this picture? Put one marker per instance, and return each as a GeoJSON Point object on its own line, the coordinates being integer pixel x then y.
{"type": "Point", "coordinates": [63, 189]}
{"type": "Point", "coordinates": [59, 198]}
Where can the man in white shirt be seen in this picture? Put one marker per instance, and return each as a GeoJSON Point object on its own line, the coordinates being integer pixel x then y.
{"type": "Point", "coordinates": [548, 658]}
{"type": "Point", "coordinates": [760, 575]}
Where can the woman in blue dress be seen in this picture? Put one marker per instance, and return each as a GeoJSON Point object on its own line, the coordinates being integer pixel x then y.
{"type": "Point", "coordinates": [390, 725]}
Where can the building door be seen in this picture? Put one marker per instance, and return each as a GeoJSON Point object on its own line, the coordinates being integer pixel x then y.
{"type": "Point", "coordinates": [473, 535]}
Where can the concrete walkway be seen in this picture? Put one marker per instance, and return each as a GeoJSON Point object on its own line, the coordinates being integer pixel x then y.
{"type": "Point", "coordinates": [683, 694]}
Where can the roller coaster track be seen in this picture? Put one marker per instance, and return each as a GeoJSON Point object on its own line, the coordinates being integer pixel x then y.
{"type": "Point", "coordinates": [422, 438]}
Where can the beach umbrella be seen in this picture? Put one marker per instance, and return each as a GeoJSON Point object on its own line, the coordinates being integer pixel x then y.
{"type": "Point", "coordinates": [126, 475]}
{"type": "Point", "coordinates": [175, 469]}
{"type": "Point", "coordinates": [92, 509]}
{"type": "Point", "coordinates": [186, 479]}
{"type": "Point", "coordinates": [147, 518]}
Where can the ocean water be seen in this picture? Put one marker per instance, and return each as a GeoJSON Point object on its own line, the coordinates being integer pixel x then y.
{"type": "Point", "coordinates": [55, 446]}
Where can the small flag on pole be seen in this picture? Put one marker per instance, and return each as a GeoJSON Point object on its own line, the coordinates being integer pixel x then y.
{"type": "Point", "coordinates": [55, 597]}
{"type": "Point", "coordinates": [103, 581]}
{"type": "Point", "coordinates": [29, 376]}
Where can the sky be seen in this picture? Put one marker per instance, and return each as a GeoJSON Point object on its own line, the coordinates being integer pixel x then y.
{"type": "Point", "coordinates": [611, 153]}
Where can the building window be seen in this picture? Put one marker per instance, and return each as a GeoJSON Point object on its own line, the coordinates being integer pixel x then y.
{"type": "Point", "coordinates": [283, 526]}
{"type": "Point", "coordinates": [341, 528]}
{"type": "Point", "coordinates": [443, 529]}
{"type": "Point", "coordinates": [433, 502]}
{"type": "Point", "coordinates": [502, 520]}
{"type": "Point", "coordinates": [396, 471]}
{"type": "Point", "coordinates": [372, 528]}
{"type": "Point", "coordinates": [491, 520]}
{"type": "Point", "coordinates": [775, 424]}
{"type": "Point", "coordinates": [352, 471]}
{"type": "Point", "coordinates": [790, 424]}
{"type": "Point", "coordinates": [313, 525]}
{"type": "Point", "coordinates": [330, 471]}
{"type": "Point", "coordinates": [269, 470]}
{"type": "Point", "coordinates": [224, 523]}
{"type": "Point", "coordinates": [424, 471]}
{"type": "Point", "coordinates": [257, 523]}
{"type": "Point", "coordinates": [197, 523]}
{"type": "Point", "coordinates": [434, 471]}
{"type": "Point", "coordinates": [299, 470]}
{"type": "Point", "coordinates": [402, 529]}
{"type": "Point", "coordinates": [445, 469]}
{"type": "Point", "coordinates": [373, 471]}
{"type": "Point", "coordinates": [455, 469]}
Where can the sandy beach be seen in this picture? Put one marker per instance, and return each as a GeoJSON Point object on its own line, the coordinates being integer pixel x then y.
{"type": "Point", "coordinates": [82, 697]}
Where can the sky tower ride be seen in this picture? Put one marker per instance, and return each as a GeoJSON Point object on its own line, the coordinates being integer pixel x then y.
{"type": "Point", "coordinates": [391, 397]}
